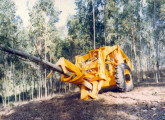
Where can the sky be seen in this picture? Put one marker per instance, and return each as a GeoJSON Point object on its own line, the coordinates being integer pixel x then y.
{"type": "Point", "coordinates": [67, 8]}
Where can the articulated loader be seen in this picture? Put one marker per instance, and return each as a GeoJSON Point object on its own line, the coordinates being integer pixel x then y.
{"type": "Point", "coordinates": [101, 68]}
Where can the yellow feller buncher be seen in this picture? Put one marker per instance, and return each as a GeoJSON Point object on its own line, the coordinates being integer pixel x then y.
{"type": "Point", "coordinates": [101, 68]}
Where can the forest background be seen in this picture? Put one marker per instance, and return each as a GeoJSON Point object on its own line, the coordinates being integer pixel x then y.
{"type": "Point", "coordinates": [137, 26]}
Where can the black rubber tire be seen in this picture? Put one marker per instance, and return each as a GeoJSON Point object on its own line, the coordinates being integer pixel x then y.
{"type": "Point", "coordinates": [120, 78]}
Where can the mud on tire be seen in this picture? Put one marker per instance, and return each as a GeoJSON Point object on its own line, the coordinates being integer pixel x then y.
{"type": "Point", "coordinates": [123, 77]}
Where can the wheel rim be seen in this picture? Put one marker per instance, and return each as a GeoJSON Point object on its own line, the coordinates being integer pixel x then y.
{"type": "Point", "coordinates": [127, 76]}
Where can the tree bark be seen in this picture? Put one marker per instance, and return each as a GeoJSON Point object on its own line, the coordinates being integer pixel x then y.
{"type": "Point", "coordinates": [23, 77]}
{"type": "Point", "coordinates": [134, 47]}
{"type": "Point", "coordinates": [19, 93]}
{"type": "Point", "coordinates": [14, 82]}
{"type": "Point", "coordinates": [94, 24]}
{"type": "Point", "coordinates": [4, 84]}
{"type": "Point", "coordinates": [39, 85]}
{"type": "Point", "coordinates": [4, 92]}
{"type": "Point", "coordinates": [156, 43]}
{"type": "Point", "coordinates": [8, 100]}
{"type": "Point", "coordinates": [140, 58]}
{"type": "Point", "coordinates": [32, 86]}
{"type": "Point", "coordinates": [105, 21]}
{"type": "Point", "coordinates": [45, 72]}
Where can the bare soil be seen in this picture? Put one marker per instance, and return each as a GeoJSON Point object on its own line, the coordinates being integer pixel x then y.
{"type": "Point", "coordinates": [145, 102]}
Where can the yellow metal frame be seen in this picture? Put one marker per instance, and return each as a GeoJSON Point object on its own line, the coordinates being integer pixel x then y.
{"type": "Point", "coordinates": [96, 68]}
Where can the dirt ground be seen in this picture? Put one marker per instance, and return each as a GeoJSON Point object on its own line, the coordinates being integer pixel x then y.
{"type": "Point", "coordinates": [145, 102]}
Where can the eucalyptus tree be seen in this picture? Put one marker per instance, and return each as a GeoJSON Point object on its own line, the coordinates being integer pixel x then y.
{"type": "Point", "coordinates": [9, 30]}
{"type": "Point", "coordinates": [7, 16]}
{"type": "Point", "coordinates": [155, 15]}
{"type": "Point", "coordinates": [123, 26]}
{"type": "Point", "coordinates": [111, 21]}
{"type": "Point", "coordinates": [43, 33]}
{"type": "Point", "coordinates": [162, 34]}
{"type": "Point", "coordinates": [80, 26]}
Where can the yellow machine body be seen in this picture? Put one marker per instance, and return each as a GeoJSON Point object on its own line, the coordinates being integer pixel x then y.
{"type": "Point", "coordinates": [94, 71]}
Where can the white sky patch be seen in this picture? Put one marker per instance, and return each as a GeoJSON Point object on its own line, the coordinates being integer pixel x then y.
{"type": "Point", "coordinates": [67, 8]}
{"type": "Point", "coordinates": [121, 9]}
{"type": "Point", "coordinates": [22, 9]}
{"type": "Point", "coordinates": [144, 2]}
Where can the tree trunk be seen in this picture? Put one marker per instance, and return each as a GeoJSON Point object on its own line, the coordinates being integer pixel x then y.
{"type": "Point", "coordinates": [45, 72]}
{"type": "Point", "coordinates": [54, 84]}
{"type": "Point", "coordinates": [131, 52]}
{"type": "Point", "coordinates": [45, 85]}
{"type": "Point", "coordinates": [42, 83]}
{"type": "Point", "coordinates": [4, 92]}
{"type": "Point", "coordinates": [156, 43]}
{"type": "Point", "coordinates": [5, 99]}
{"type": "Point", "coordinates": [19, 94]}
{"type": "Point", "coordinates": [94, 24]}
{"type": "Point", "coordinates": [4, 84]}
{"type": "Point", "coordinates": [134, 47]}
{"type": "Point", "coordinates": [69, 86]}
{"type": "Point", "coordinates": [32, 87]}
{"type": "Point", "coordinates": [149, 66]}
{"type": "Point", "coordinates": [8, 101]}
{"type": "Point", "coordinates": [140, 58]}
{"type": "Point", "coordinates": [26, 93]}
{"type": "Point", "coordinates": [50, 86]}
{"type": "Point", "coordinates": [40, 61]}
{"type": "Point", "coordinates": [105, 21]}
{"type": "Point", "coordinates": [14, 83]}
{"type": "Point", "coordinates": [34, 59]}
{"type": "Point", "coordinates": [23, 83]}
{"type": "Point", "coordinates": [39, 83]}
